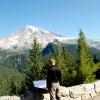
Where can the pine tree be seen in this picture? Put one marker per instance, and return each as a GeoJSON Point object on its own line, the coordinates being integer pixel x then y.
{"type": "Point", "coordinates": [58, 53]}
{"type": "Point", "coordinates": [35, 65]}
{"type": "Point", "coordinates": [68, 67]}
{"type": "Point", "coordinates": [95, 59]}
{"type": "Point", "coordinates": [67, 64]}
{"type": "Point", "coordinates": [86, 65]}
{"type": "Point", "coordinates": [45, 61]}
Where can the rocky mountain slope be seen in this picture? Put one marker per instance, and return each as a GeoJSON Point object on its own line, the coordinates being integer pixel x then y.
{"type": "Point", "coordinates": [24, 37]}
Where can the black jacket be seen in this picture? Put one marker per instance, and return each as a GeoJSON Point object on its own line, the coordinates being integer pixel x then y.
{"type": "Point", "coordinates": [53, 75]}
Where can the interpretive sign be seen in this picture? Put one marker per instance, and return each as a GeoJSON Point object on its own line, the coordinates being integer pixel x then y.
{"type": "Point", "coordinates": [40, 83]}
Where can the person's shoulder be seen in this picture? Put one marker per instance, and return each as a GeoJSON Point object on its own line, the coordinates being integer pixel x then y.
{"type": "Point", "coordinates": [55, 67]}
{"type": "Point", "coordinates": [58, 67]}
{"type": "Point", "coordinates": [48, 68]}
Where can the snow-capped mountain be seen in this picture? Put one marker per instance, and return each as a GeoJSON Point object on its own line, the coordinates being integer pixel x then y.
{"type": "Point", "coordinates": [24, 37]}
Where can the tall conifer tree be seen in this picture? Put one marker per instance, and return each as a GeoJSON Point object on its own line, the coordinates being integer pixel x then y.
{"type": "Point", "coordinates": [58, 53]}
{"type": "Point", "coordinates": [86, 65]}
{"type": "Point", "coordinates": [68, 68]}
{"type": "Point", "coordinates": [35, 65]}
{"type": "Point", "coordinates": [66, 62]}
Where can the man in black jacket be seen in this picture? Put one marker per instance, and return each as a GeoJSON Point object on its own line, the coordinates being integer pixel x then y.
{"type": "Point", "coordinates": [53, 80]}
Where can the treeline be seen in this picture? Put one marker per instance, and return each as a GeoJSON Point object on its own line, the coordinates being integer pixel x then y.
{"type": "Point", "coordinates": [23, 68]}
{"type": "Point", "coordinates": [75, 70]}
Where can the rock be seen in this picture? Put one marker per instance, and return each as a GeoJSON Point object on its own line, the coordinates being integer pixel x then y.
{"type": "Point", "coordinates": [97, 87]}
{"type": "Point", "coordinates": [15, 98]}
{"type": "Point", "coordinates": [64, 91]}
{"type": "Point", "coordinates": [4, 97]}
{"type": "Point", "coordinates": [86, 97]}
{"type": "Point", "coordinates": [79, 98]}
{"type": "Point", "coordinates": [76, 91]}
{"type": "Point", "coordinates": [89, 89]}
{"type": "Point", "coordinates": [10, 98]}
{"type": "Point", "coordinates": [46, 96]}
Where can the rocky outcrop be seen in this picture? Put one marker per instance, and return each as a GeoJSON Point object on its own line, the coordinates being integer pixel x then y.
{"type": "Point", "coordinates": [78, 92]}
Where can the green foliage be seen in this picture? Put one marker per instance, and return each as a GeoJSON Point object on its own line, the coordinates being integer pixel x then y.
{"type": "Point", "coordinates": [67, 64]}
{"type": "Point", "coordinates": [68, 68]}
{"type": "Point", "coordinates": [58, 53]}
{"type": "Point", "coordinates": [11, 81]}
{"type": "Point", "coordinates": [97, 65]}
{"type": "Point", "coordinates": [16, 59]}
{"type": "Point", "coordinates": [95, 59]}
{"type": "Point", "coordinates": [86, 65]}
{"type": "Point", "coordinates": [35, 65]}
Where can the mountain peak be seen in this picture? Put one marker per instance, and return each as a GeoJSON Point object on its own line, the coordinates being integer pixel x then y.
{"type": "Point", "coordinates": [34, 29]}
{"type": "Point", "coordinates": [24, 37]}
{"type": "Point", "coordinates": [30, 27]}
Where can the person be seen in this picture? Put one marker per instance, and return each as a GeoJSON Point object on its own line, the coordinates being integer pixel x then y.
{"type": "Point", "coordinates": [53, 80]}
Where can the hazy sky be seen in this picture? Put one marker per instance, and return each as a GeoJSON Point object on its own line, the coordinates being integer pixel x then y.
{"type": "Point", "coordinates": [65, 17]}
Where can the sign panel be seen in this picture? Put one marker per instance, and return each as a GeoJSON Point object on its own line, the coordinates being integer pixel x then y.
{"type": "Point", "coordinates": [40, 83]}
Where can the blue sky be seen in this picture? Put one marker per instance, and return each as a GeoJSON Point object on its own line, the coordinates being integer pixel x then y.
{"type": "Point", "coordinates": [65, 17]}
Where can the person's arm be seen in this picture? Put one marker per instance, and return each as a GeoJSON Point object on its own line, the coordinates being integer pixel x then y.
{"type": "Point", "coordinates": [59, 74]}
{"type": "Point", "coordinates": [48, 78]}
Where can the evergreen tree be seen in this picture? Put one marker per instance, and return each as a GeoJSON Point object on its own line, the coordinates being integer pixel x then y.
{"type": "Point", "coordinates": [45, 61]}
{"type": "Point", "coordinates": [95, 59]}
{"type": "Point", "coordinates": [11, 81]}
{"type": "Point", "coordinates": [35, 65]}
{"type": "Point", "coordinates": [67, 64]}
{"type": "Point", "coordinates": [68, 68]}
{"type": "Point", "coordinates": [58, 53]}
{"type": "Point", "coordinates": [86, 65]}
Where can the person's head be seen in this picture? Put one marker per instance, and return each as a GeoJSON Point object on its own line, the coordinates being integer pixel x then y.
{"type": "Point", "coordinates": [52, 61]}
